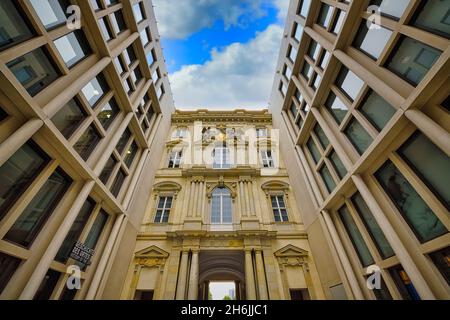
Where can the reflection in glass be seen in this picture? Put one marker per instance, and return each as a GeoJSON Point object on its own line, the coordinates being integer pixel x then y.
{"type": "Point", "coordinates": [337, 108]}
{"type": "Point", "coordinates": [377, 110]}
{"type": "Point", "coordinates": [358, 136]}
{"type": "Point", "coordinates": [69, 118]}
{"type": "Point", "coordinates": [14, 28]}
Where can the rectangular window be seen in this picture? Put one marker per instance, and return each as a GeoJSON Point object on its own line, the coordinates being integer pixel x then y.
{"type": "Point", "coordinates": [106, 30]}
{"type": "Point", "coordinates": [138, 11]}
{"type": "Point", "coordinates": [279, 209]}
{"type": "Point", "coordinates": [325, 15]}
{"type": "Point", "coordinates": [337, 164]}
{"type": "Point", "coordinates": [303, 8]}
{"type": "Point", "coordinates": [69, 118]}
{"type": "Point", "coordinates": [34, 70]}
{"type": "Point", "coordinates": [75, 231]}
{"type": "Point", "coordinates": [377, 110]}
{"type": "Point", "coordinates": [356, 237]}
{"type": "Point", "coordinates": [107, 171]}
{"type": "Point", "coordinates": [87, 143]}
{"type": "Point", "coordinates": [18, 172]}
{"type": "Point", "coordinates": [339, 21]}
{"type": "Point", "coordinates": [96, 230]}
{"type": "Point", "coordinates": [324, 142]}
{"type": "Point", "coordinates": [175, 159]}
{"type": "Point", "coordinates": [324, 60]}
{"type": "Point", "coordinates": [349, 83]}
{"type": "Point", "coordinates": [267, 159]}
{"type": "Point", "coordinates": [33, 218]}
{"type": "Point", "coordinates": [358, 136]}
{"type": "Point", "coordinates": [430, 163]}
{"type": "Point", "coordinates": [8, 265]}
{"type": "Point", "coordinates": [118, 182]}
{"type": "Point", "coordinates": [313, 150]}
{"type": "Point", "coordinates": [95, 90]}
{"type": "Point", "coordinates": [372, 227]}
{"type": "Point", "coordinates": [441, 260]}
{"type": "Point", "coordinates": [14, 26]}
{"type": "Point", "coordinates": [403, 283]}
{"type": "Point", "coordinates": [433, 16]}
{"type": "Point", "coordinates": [297, 31]}
{"type": "Point", "coordinates": [336, 107]}
{"type": "Point", "coordinates": [143, 295]}
{"type": "Point", "coordinates": [163, 209]}
{"type": "Point", "coordinates": [391, 9]}
{"type": "Point", "coordinates": [73, 47]}
{"type": "Point", "coordinates": [221, 158]}
{"type": "Point", "coordinates": [145, 37]}
{"type": "Point", "coordinates": [118, 22]}
{"type": "Point", "coordinates": [123, 141]}
{"type": "Point", "coordinates": [372, 41]}
{"type": "Point", "coordinates": [53, 13]}
{"type": "Point", "coordinates": [412, 59]}
{"type": "Point", "coordinates": [131, 154]}
{"type": "Point", "coordinates": [299, 294]}
{"type": "Point", "coordinates": [327, 178]}
{"type": "Point", "coordinates": [413, 208]}
{"type": "Point", "coordinates": [108, 113]}
{"type": "Point", "coordinates": [314, 50]}
{"type": "Point", "coordinates": [47, 285]}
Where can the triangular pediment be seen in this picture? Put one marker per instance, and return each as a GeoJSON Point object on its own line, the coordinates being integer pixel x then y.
{"type": "Point", "coordinates": [152, 252]}
{"type": "Point", "coordinates": [291, 251]}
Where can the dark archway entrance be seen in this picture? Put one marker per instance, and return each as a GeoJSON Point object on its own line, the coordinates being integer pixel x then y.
{"type": "Point", "coordinates": [221, 266]}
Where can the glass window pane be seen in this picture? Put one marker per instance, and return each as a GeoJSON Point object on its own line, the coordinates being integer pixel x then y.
{"type": "Point", "coordinates": [325, 15]}
{"type": "Point", "coordinates": [118, 182]}
{"type": "Point", "coordinates": [337, 108]}
{"type": "Point", "coordinates": [322, 136]}
{"type": "Point", "coordinates": [431, 163]}
{"type": "Point", "coordinates": [95, 90]}
{"type": "Point", "coordinates": [412, 60]}
{"type": "Point", "coordinates": [87, 143]}
{"type": "Point", "coordinates": [108, 113]}
{"type": "Point", "coordinates": [107, 171]}
{"type": "Point", "coordinates": [123, 141]}
{"type": "Point", "coordinates": [8, 265]}
{"type": "Point", "coordinates": [35, 70]}
{"type": "Point", "coordinates": [349, 83]}
{"type": "Point", "coordinates": [339, 21]}
{"type": "Point", "coordinates": [138, 14]}
{"type": "Point", "coordinates": [337, 164]}
{"type": "Point", "coordinates": [414, 210]}
{"type": "Point", "coordinates": [73, 47]}
{"type": "Point", "coordinates": [313, 150]}
{"type": "Point", "coordinates": [144, 37]}
{"type": "Point", "coordinates": [18, 173]}
{"type": "Point", "coordinates": [403, 283]}
{"type": "Point", "coordinates": [51, 12]}
{"type": "Point", "coordinates": [131, 154]}
{"type": "Point", "coordinates": [106, 31]}
{"type": "Point", "coordinates": [434, 16]}
{"type": "Point", "coordinates": [391, 8]}
{"type": "Point", "coordinates": [377, 110]}
{"type": "Point", "coordinates": [359, 137]}
{"type": "Point", "coordinates": [96, 230]}
{"type": "Point", "coordinates": [355, 236]}
{"type": "Point", "coordinates": [69, 118]}
{"type": "Point", "coordinates": [441, 260]}
{"type": "Point", "coordinates": [47, 285]}
{"type": "Point", "coordinates": [324, 61]}
{"type": "Point", "coordinates": [14, 28]}
{"type": "Point", "coordinates": [118, 22]}
{"type": "Point", "coordinates": [328, 179]}
{"type": "Point", "coordinates": [304, 7]}
{"type": "Point", "coordinates": [372, 41]}
{"type": "Point", "coordinates": [382, 293]}
{"type": "Point", "coordinates": [314, 50]}
{"type": "Point", "coordinates": [32, 220]}
{"type": "Point", "coordinates": [75, 231]}
{"type": "Point", "coordinates": [372, 227]}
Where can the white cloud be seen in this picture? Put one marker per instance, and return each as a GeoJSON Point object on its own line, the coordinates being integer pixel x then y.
{"type": "Point", "coordinates": [282, 6]}
{"type": "Point", "coordinates": [239, 76]}
{"type": "Point", "coordinates": [178, 19]}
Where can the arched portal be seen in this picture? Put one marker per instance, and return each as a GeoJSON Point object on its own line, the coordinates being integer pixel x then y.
{"type": "Point", "coordinates": [221, 266]}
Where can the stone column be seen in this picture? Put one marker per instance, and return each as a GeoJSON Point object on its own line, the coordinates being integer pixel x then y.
{"type": "Point", "coordinates": [261, 273]}
{"type": "Point", "coordinates": [402, 254]}
{"type": "Point", "coordinates": [242, 199]}
{"type": "Point", "coordinates": [249, 276]}
{"type": "Point", "coordinates": [41, 269]}
{"type": "Point", "coordinates": [251, 198]}
{"type": "Point", "coordinates": [357, 293]}
{"type": "Point", "coordinates": [202, 200]}
{"type": "Point", "coordinates": [182, 275]}
{"type": "Point", "coordinates": [193, 277]}
{"type": "Point", "coordinates": [15, 141]}
{"type": "Point", "coordinates": [191, 199]}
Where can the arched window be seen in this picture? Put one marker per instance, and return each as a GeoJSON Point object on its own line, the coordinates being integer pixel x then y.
{"type": "Point", "coordinates": [221, 157]}
{"type": "Point", "coordinates": [221, 206]}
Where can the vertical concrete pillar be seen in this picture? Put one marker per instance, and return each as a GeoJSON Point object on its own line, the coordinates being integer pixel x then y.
{"type": "Point", "coordinates": [402, 254]}
{"type": "Point", "coordinates": [182, 275]}
{"type": "Point", "coordinates": [193, 277]}
{"type": "Point", "coordinates": [41, 269]}
{"type": "Point", "coordinates": [15, 141]}
{"type": "Point", "coordinates": [261, 274]}
{"type": "Point", "coordinates": [249, 276]}
{"type": "Point", "coordinates": [357, 293]}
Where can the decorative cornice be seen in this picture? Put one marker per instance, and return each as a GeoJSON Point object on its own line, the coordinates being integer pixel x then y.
{"type": "Point", "coordinates": [238, 115]}
{"type": "Point", "coordinates": [211, 172]}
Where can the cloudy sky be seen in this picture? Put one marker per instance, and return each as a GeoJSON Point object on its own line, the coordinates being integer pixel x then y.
{"type": "Point", "coordinates": [221, 54]}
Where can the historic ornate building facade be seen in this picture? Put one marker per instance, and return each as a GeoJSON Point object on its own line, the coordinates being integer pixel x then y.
{"type": "Point", "coordinates": [222, 208]}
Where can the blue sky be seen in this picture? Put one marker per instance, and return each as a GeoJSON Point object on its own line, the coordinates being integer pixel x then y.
{"type": "Point", "coordinates": [221, 54]}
